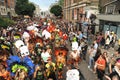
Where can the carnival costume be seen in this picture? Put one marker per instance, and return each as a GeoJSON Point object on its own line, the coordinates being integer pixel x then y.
{"type": "Point", "coordinates": [15, 63]}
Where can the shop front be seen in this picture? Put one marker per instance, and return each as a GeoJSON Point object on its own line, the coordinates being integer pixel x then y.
{"type": "Point", "coordinates": [111, 26]}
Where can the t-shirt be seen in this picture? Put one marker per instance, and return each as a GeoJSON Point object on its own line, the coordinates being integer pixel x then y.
{"type": "Point", "coordinates": [45, 56]}
{"type": "Point", "coordinates": [92, 52]}
{"type": "Point", "coordinates": [95, 46]}
{"type": "Point", "coordinates": [101, 63]}
{"type": "Point", "coordinates": [80, 36]}
{"type": "Point", "coordinates": [74, 45]}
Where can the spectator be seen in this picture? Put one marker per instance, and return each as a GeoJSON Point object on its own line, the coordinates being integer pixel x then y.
{"type": "Point", "coordinates": [84, 51]}
{"type": "Point", "coordinates": [100, 66]}
{"type": "Point", "coordinates": [80, 35]}
{"type": "Point", "coordinates": [113, 60]}
{"type": "Point", "coordinates": [91, 53]}
{"type": "Point", "coordinates": [115, 75]}
{"type": "Point", "coordinates": [107, 42]}
{"type": "Point", "coordinates": [95, 45]}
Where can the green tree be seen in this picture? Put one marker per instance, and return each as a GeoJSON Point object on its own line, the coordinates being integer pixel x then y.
{"type": "Point", "coordinates": [23, 7]}
{"type": "Point", "coordinates": [56, 10]}
{"type": "Point", "coordinates": [61, 2]}
{"type": "Point", "coordinates": [5, 22]}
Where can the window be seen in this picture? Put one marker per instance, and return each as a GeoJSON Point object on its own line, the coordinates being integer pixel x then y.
{"type": "Point", "coordinates": [2, 2]}
{"type": "Point", "coordinates": [72, 14]}
{"type": "Point", "coordinates": [118, 32]}
{"type": "Point", "coordinates": [110, 9]}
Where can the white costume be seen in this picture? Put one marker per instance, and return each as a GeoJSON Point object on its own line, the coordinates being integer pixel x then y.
{"type": "Point", "coordinates": [25, 35]}
{"type": "Point", "coordinates": [24, 51]}
{"type": "Point", "coordinates": [74, 45]}
{"type": "Point", "coordinates": [19, 43]}
{"type": "Point", "coordinates": [46, 34]}
{"type": "Point", "coordinates": [72, 74]}
{"type": "Point", "coordinates": [29, 28]}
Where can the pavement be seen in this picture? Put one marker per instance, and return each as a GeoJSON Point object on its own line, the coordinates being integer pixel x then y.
{"type": "Point", "coordinates": [86, 72]}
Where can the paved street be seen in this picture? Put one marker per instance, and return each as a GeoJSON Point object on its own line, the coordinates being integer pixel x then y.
{"type": "Point", "coordinates": [31, 31]}
{"type": "Point", "coordinates": [83, 66]}
{"type": "Point", "coordinates": [89, 75]}
{"type": "Point", "coordinates": [86, 74]}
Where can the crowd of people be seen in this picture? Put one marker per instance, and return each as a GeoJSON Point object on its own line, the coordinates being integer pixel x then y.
{"type": "Point", "coordinates": [42, 49]}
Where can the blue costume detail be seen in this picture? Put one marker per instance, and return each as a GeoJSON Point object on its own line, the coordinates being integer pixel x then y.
{"type": "Point", "coordinates": [26, 62]}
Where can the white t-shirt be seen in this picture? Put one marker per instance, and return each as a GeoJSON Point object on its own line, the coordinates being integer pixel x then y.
{"type": "Point", "coordinates": [111, 36]}
{"type": "Point", "coordinates": [45, 56]}
{"type": "Point", "coordinates": [107, 41]}
{"type": "Point", "coordinates": [95, 46]}
{"type": "Point", "coordinates": [74, 45]}
{"type": "Point", "coordinates": [107, 32]}
{"type": "Point", "coordinates": [92, 52]}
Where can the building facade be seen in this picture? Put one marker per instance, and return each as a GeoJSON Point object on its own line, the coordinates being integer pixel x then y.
{"type": "Point", "coordinates": [7, 8]}
{"type": "Point", "coordinates": [79, 10]}
{"type": "Point", "coordinates": [37, 10]}
{"type": "Point", "coordinates": [109, 16]}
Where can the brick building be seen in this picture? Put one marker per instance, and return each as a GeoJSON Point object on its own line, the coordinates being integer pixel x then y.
{"type": "Point", "coordinates": [109, 16]}
{"type": "Point", "coordinates": [78, 10]}
{"type": "Point", "coordinates": [7, 8]}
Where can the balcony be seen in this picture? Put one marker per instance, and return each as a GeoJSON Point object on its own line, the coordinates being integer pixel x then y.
{"type": "Point", "coordinates": [109, 17]}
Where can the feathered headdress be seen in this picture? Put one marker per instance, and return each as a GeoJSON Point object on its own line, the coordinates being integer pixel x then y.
{"type": "Point", "coordinates": [61, 50]}
{"type": "Point", "coordinates": [16, 63]}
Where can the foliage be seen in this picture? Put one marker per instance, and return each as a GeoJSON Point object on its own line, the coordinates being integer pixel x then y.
{"type": "Point", "coordinates": [23, 7]}
{"type": "Point", "coordinates": [56, 10]}
{"type": "Point", "coordinates": [4, 22]}
{"type": "Point", "coordinates": [61, 2]}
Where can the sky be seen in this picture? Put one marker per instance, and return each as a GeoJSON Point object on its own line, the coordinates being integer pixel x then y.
{"type": "Point", "coordinates": [43, 4]}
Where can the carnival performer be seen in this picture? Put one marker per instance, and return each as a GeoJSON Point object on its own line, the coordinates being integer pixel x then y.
{"type": "Point", "coordinates": [72, 74]}
{"type": "Point", "coordinates": [20, 68]}
{"type": "Point", "coordinates": [39, 73]}
{"type": "Point", "coordinates": [4, 73]}
{"type": "Point", "coordinates": [50, 70]}
{"type": "Point", "coordinates": [75, 57]}
{"type": "Point", "coordinates": [60, 64]}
